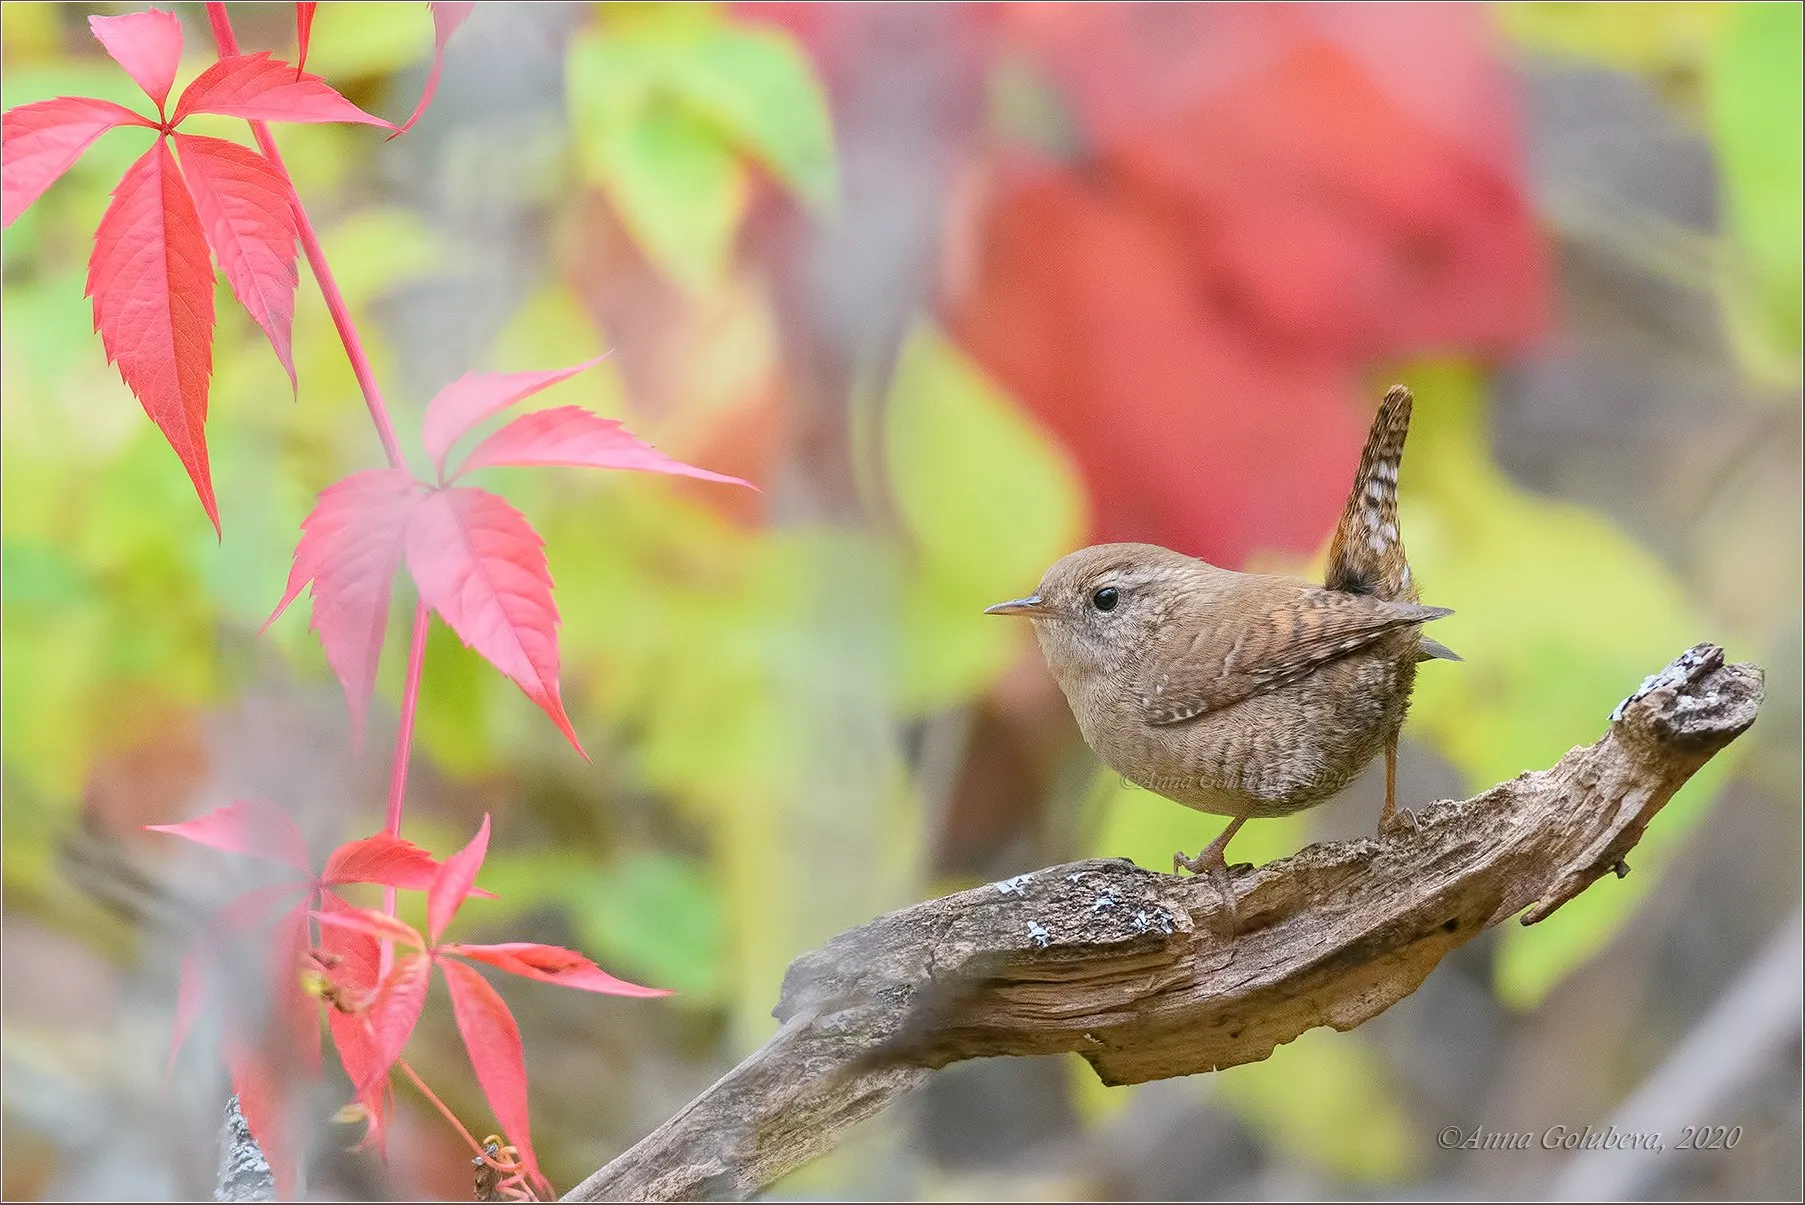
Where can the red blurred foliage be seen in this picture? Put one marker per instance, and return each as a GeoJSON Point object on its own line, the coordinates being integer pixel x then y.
{"type": "Point", "coordinates": [1270, 201]}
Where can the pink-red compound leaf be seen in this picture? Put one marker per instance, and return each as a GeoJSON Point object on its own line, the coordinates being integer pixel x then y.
{"type": "Point", "coordinates": [455, 879]}
{"type": "Point", "coordinates": [477, 395]}
{"type": "Point", "coordinates": [41, 141]}
{"type": "Point", "coordinates": [152, 285]}
{"type": "Point", "coordinates": [295, 1020]}
{"type": "Point", "coordinates": [203, 953]}
{"type": "Point", "coordinates": [381, 859]}
{"type": "Point", "coordinates": [147, 44]}
{"type": "Point", "coordinates": [246, 826]}
{"type": "Point", "coordinates": [354, 961]}
{"type": "Point", "coordinates": [445, 20]}
{"type": "Point", "coordinates": [243, 202]}
{"type": "Point", "coordinates": [371, 923]}
{"type": "Point", "coordinates": [481, 566]}
{"type": "Point", "coordinates": [571, 435]}
{"type": "Point", "coordinates": [493, 1041]}
{"type": "Point", "coordinates": [259, 88]}
{"type": "Point", "coordinates": [303, 32]}
{"type": "Point", "coordinates": [351, 545]}
{"type": "Point", "coordinates": [393, 1015]}
{"type": "Point", "coordinates": [552, 964]}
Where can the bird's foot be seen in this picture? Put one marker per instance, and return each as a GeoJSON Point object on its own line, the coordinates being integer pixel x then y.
{"type": "Point", "coordinates": [1212, 865]}
{"type": "Point", "coordinates": [1397, 821]}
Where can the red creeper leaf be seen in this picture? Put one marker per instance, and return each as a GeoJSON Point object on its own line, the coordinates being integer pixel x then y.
{"type": "Point", "coordinates": [393, 1015]}
{"type": "Point", "coordinates": [481, 566]}
{"type": "Point", "coordinates": [356, 961]}
{"type": "Point", "coordinates": [552, 964]}
{"type": "Point", "coordinates": [445, 20]}
{"type": "Point", "coordinates": [371, 923]}
{"type": "Point", "coordinates": [477, 395]}
{"type": "Point", "coordinates": [152, 285]}
{"type": "Point", "coordinates": [350, 547]}
{"type": "Point", "coordinates": [259, 88]}
{"type": "Point", "coordinates": [571, 435]}
{"type": "Point", "coordinates": [246, 826]}
{"type": "Point", "coordinates": [455, 879]}
{"type": "Point", "coordinates": [147, 44]}
{"type": "Point", "coordinates": [41, 141]}
{"type": "Point", "coordinates": [243, 202]}
{"type": "Point", "coordinates": [303, 31]}
{"type": "Point", "coordinates": [493, 1041]}
{"type": "Point", "coordinates": [381, 859]}
{"type": "Point", "coordinates": [232, 922]}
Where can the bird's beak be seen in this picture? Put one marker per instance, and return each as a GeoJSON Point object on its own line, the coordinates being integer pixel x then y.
{"type": "Point", "coordinates": [1030, 605]}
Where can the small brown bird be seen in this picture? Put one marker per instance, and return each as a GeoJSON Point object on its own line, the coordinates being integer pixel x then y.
{"type": "Point", "coordinates": [1243, 694]}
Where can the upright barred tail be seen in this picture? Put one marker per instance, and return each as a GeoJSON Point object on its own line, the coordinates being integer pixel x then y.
{"type": "Point", "coordinates": [1367, 554]}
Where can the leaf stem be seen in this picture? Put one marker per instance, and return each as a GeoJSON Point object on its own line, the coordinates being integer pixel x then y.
{"type": "Point", "coordinates": [404, 742]}
{"type": "Point", "coordinates": [316, 259]}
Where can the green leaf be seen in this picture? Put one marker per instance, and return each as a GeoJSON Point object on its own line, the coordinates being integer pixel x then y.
{"type": "Point", "coordinates": [755, 83]}
{"type": "Point", "coordinates": [1757, 102]}
{"type": "Point", "coordinates": [1544, 667]}
{"type": "Point", "coordinates": [651, 917]}
{"type": "Point", "coordinates": [664, 103]}
{"type": "Point", "coordinates": [988, 499]}
{"type": "Point", "coordinates": [680, 191]}
{"type": "Point", "coordinates": [1325, 1099]}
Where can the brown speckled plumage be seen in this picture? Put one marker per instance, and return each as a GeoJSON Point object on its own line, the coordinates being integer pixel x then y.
{"type": "Point", "coordinates": [1241, 694]}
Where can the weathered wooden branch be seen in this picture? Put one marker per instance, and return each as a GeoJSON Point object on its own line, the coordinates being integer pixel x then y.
{"type": "Point", "coordinates": [1136, 971]}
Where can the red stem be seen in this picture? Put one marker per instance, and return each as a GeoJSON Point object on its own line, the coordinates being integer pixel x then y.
{"type": "Point", "coordinates": [404, 742]}
{"type": "Point", "coordinates": [385, 431]}
{"type": "Point", "coordinates": [316, 259]}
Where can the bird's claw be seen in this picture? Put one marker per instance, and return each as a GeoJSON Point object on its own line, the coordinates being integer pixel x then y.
{"type": "Point", "coordinates": [1402, 820]}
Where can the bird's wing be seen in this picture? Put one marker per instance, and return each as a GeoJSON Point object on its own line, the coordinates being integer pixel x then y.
{"type": "Point", "coordinates": [1215, 658]}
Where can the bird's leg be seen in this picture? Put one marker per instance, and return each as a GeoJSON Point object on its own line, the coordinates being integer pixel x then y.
{"type": "Point", "coordinates": [1213, 863]}
{"type": "Point", "coordinates": [1390, 818]}
{"type": "Point", "coordinates": [1211, 858]}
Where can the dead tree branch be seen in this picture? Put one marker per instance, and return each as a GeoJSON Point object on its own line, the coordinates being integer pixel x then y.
{"type": "Point", "coordinates": [1133, 969]}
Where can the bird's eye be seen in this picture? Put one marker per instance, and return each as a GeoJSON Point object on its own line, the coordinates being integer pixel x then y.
{"type": "Point", "coordinates": [1105, 599]}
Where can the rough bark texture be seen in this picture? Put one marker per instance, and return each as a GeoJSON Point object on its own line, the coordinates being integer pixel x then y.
{"type": "Point", "coordinates": [1136, 970]}
{"type": "Point", "coordinates": [244, 1174]}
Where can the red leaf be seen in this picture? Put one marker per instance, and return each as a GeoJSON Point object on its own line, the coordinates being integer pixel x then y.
{"type": "Point", "coordinates": [350, 547]}
{"type": "Point", "coordinates": [481, 566]}
{"type": "Point", "coordinates": [454, 881]}
{"type": "Point", "coordinates": [381, 859]}
{"type": "Point", "coordinates": [303, 31]}
{"type": "Point", "coordinates": [232, 921]}
{"type": "Point", "coordinates": [296, 1018]}
{"type": "Point", "coordinates": [477, 395]}
{"type": "Point", "coordinates": [41, 141]}
{"type": "Point", "coordinates": [152, 285]}
{"type": "Point", "coordinates": [357, 961]}
{"type": "Point", "coordinates": [147, 44]}
{"type": "Point", "coordinates": [571, 435]}
{"type": "Point", "coordinates": [243, 202]}
{"type": "Point", "coordinates": [393, 1015]}
{"type": "Point", "coordinates": [371, 923]}
{"type": "Point", "coordinates": [552, 964]}
{"type": "Point", "coordinates": [247, 826]}
{"type": "Point", "coordinates": [493, 1041]}
{"type": "Point", "coordinates": [259, 88]}
{"type": "Point", "coordinates": [445, 20]}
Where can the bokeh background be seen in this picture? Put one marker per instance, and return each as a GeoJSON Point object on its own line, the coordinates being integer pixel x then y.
{"type": "Point", "coordinates": [962, 288]}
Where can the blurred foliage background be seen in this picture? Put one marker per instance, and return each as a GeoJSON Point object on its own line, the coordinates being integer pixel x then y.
{"type": "Point", "coordinates": [961, 287]}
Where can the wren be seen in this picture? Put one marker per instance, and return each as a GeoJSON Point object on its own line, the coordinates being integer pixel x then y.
{"type": "Point", "coordinates": [1243, 694]}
